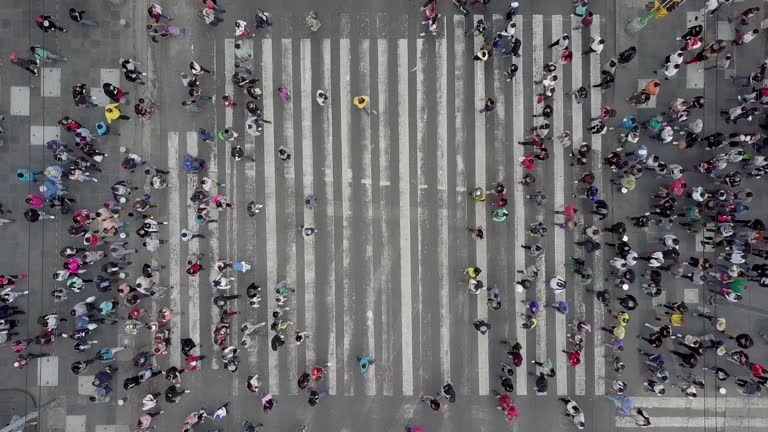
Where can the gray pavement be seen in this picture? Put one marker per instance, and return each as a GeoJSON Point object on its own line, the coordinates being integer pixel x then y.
{"type": "Point", "coordinates": [382, 275]}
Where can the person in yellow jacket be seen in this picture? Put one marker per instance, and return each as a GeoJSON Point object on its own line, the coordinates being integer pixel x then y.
{"type": "Point", "coordinates": [361, 102]}
{"type": "Point", "coordinates": [111, 112]}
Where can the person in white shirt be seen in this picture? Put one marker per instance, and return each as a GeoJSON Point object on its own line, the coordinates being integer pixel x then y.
{"type": "Point", "coordinates": [510, 30]}
{"type": "Point", "coordinates": [670, 69]}
{"type": "Point", "coordinates": [561, 43]}
{"type": "Point", "coordinates": [675, 58]}
{"type": "Point", "coordinates": [596, 46]}
{"type": "Point", "coordinates": [745, 38]}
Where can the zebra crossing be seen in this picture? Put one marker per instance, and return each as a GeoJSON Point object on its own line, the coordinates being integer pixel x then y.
{"type": "Point", "coordinates": [382, 275]}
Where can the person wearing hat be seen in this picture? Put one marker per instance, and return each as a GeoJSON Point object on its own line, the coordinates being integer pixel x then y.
{"type": "Point", "coordinates": [28, 65]}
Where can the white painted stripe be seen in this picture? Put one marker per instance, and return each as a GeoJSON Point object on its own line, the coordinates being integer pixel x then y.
{"type": "Point", "coordinates": [461, 303]}
{"type": "Point", "coordinates": [270, 206]}
{"type": "Point", "coordinates": [250, 229]}
{"type": "Point", "coordinates": [289, 195]}
{"type": "Point", "coordinates": [382, 282]}
{"type": "Point", "coordinates": [193, 247]}
{"type": "Point", "coordinates": [345, 100]}
{"type": "Point", "coordinates": [597, 160]}
{"type": "Point", "coordinates": [559, 201]}
{"type": "Point", "coordinates": [499, 88]}
{"type": "Point", "coordinates": [699, 237]}
{"type": "Point", "coordinates": [50, 82]}
{"type": "Point", "coordinates": [481, 219]}
{"type": "Point", "coordinates": [406, 337]}
{"type": "Point", "coordinates": [369, 379]}
{"type": "Point", "coordinates": [421, 135]}
{"type": "Point", "coordinates": [443, 273]}
{"type": "Point", "coordinates": [110, 75]}
{"type": "Point", "coordinates": [307, 167]}
{"type": "Point", "coordinates": [19, 100]}
{"type": "Point", "coordinates": [706, 422]}
{"type": "Point", "coordinates": [327, 142]}
{"type": "Point", "coordinates": [231, 173]}
{"type": "Point", "coordinates": [541, 287]}
{"type": "Point", "coordinates": [174, 227]}
{"type": "Point", "coordinates": [717, 404]}
{"type": "Point", "coordinates": [518, 121]}
{"type": "Point", "coordinates": [231, 250]}
{"type": "Point", "coordinates": [694, 76]}
{"type": "Point", "coordinates": [577, 128]}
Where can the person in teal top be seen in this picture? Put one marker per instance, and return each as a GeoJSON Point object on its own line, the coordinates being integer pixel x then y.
{"type": "Point", "coordinates": [581, 9]}
{"type": "Point", "coordinates": [27, 176]}
{"type": "Point", "coordinates": [44, 55]}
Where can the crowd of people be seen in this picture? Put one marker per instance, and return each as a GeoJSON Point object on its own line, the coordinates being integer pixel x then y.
{"type": "Point", "coordinates": [715, 203]}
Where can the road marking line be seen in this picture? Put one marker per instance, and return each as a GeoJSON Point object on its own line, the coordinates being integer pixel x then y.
{"type": "Point", "coordinates": [559, 202]}
{"type": "Point", "coordinates": [369, 379]}
{"type": "Point", "coordinates": [518, 121]}
{"type": "Point", "coordinates": [174, 227]}
{"type": "Point", "coordinates": [250, 230]}
{"type": "Point", "coordinates": [443, 274]}
{"type": "Point", "coordinates": [577, 128]}
{"type": "Point", "coordinates": [481, 179]}
{"type": "Point", "coordinates": [50, 82]}
{"type": "Point", "coordinates": [345, 100]}
{"type": "Point", "coordinates": [406, 305]}
{"type": "Point", "coordinates": [382, 281]}
{"type": "Point", "coordinates": [461, 304]}
{"type": "Point", "coordinates": [307, 160]}
{"type": "Point", "coordinates": [289, 195]}
{"type": "Point", "coordinates": [541, 287]}
{"type": "Point", "coordinates": [270, 205]}
{"type": "Point", "coordinates": [720, 404]}
{"type": "Point", "coordinates": [421, 135]}
{"type": "Point", "coordinates": [707, 422]}
{"type": "Point", "coordinates": [597, 257]}
{"type": "Point", "coordinates": [193, 283]}
{"type": "Point", "coordinates": [20, 100]}
{"type": "Point", "coordinates": [327, 142]}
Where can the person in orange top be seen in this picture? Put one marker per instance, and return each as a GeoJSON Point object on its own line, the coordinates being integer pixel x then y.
{"type": "Point", "coordinates": [653, 87]}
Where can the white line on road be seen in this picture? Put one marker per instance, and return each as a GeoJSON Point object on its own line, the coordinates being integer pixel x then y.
{"type": "Point", "coordinates": [597, 160]}
{"type": "Point", "coordinates": [462, 244]}
{"type": "Point", "coordinates": [706, 422]}
{"type": "Point", "coordinates": [369, 380]}
{"type": "Point", "coordinates": [719, 404]}
{"type": "Point", "coordinates": [250, 230]}
{"type": "Point", "coordinates": [289, 195]}
{"type": "Point", "coordinates": [307, 168]}
{"type": "Point", "coordinates": [559, 201]}
{"type": "Point", "coordinates": [518, 121]}
{"type": "Point", "coordinates": [345, 101]}
{"type": "Point", "coordinates": [481, 179]}
{"type": "Point", "coordinates": [421, 218]}
{"type": "Point", "coordinates": [327, 142]}
{"type": "Point", "coordinates": [270, 206]}
{"type": "Point", "coordinates": [174, 227]}
{"type": "Point", "coordinates": [404, 182]}
{"type": "Point", "coordinates": [541, 288]}
{"type": "Point", "coordinates": [577, 128]}
{"type": "Point", "coordinates": [382, 283]}
{"type": "Point", "coordinates": [443, 273]}
{"type": "Point", "coordinates": [193, 283]}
